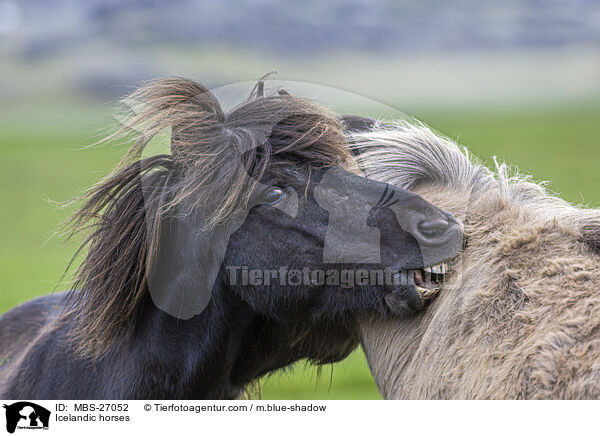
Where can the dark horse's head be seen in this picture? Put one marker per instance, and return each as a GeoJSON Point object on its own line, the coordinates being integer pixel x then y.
{"type": "Point", "coordinates": [256, 215]}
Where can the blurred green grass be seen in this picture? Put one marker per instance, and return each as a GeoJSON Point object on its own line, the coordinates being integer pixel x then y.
{"type": "Point", "coordinates": [43, 160]}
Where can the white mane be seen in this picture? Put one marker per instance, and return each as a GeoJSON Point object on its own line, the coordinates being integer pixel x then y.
{"type": "Point", "coordinates": [410, 155]}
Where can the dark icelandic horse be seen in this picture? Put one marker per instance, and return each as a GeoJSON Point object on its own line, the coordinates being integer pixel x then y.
{"type": "Point", "coordinates": [160, 307]}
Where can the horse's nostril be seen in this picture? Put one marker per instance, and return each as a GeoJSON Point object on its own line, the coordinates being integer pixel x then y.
{"type": "Point", "coordinates": [434, 228]}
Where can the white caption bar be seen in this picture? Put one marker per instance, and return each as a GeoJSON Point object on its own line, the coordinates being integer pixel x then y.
{"type": "Point", "coordinates": [304, 418]}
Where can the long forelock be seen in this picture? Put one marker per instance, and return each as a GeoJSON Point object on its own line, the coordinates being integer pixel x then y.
{"type": "Point", "coordinates": [207, 144]}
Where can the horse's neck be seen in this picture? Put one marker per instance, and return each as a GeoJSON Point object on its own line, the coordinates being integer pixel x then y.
{"type": "Point", "coordinates": [187, 358]}
{"type": "Point", "coordinates": [390, 346]}
{"type": "Point", "coordinates": [217, 353]}
{"type": "Point", "coordinates": [265, 347]}
{"type": "Point", "coordinates": [269, 345]}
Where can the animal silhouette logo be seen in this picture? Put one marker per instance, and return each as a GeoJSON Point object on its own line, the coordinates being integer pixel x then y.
{"type": "Point", "coordinates": [25, 415]}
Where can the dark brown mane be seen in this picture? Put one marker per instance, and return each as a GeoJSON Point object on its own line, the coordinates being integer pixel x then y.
{"type": "Point", "coordinates": [122, 214]}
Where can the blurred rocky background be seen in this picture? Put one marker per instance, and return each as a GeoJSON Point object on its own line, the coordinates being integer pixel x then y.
{"type": "Point", "coordinates": [409, 52]}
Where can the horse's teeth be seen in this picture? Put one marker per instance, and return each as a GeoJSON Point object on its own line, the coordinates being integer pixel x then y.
{"type": "Point", "coordinates": [437, 269]}
{"type": "Point", "coordinates": [427, 294]}
{"type": "Point", "coordinates": [428, 269]}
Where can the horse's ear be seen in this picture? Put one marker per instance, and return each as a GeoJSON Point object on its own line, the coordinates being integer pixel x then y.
{"type": "Point", "coordinates": [356, 123]}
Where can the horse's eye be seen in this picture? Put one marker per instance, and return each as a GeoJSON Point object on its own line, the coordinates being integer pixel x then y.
{"type": "Point", "coordinates": [273, 196]}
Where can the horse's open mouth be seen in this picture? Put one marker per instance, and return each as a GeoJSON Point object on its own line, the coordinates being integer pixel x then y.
{"type": "Point", "coordinates": [426, 281]}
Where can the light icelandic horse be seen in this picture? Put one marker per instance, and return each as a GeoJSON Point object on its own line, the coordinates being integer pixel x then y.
{"type": "Point", "coordinates": [519, 315]}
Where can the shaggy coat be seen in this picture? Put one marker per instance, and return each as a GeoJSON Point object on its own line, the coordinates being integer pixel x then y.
{"type": "Point", "coordinates": [519, 315]}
